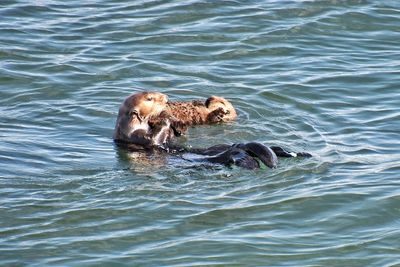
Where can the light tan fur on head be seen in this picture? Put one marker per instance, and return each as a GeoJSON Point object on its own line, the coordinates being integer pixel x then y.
{"type": "Point", "coordinates": [215, 102]}
{"type": "Point", "coordinates": [135, 112]}
{"type": "Point", "coordinates": [145, 104]}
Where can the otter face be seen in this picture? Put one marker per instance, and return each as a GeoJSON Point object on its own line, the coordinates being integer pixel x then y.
{"type": "Point", "coordinates": [215, 102]}
{"type": "Point", "coordinates": [145, 104]}
{"type": "Point", "coordinates": [135, 112]}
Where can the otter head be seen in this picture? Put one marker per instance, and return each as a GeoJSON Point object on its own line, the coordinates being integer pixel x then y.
{"type": "Point", "coordinates": [144, 104]}
{"type": "Point", "coordinates": [135, 112]}
{"type": "Point", "coordinates": [215, 102]}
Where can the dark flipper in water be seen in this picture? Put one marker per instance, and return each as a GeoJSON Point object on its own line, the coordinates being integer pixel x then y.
{"type": "Point", "coordinates": [264, 153]}
{"type": "Point", "coordinates": [210, 151]}
{"type": "Point", "coordinates": [280, 152]}
{"type": "Point", "coordinates": [245, 155]}
{"type": "Point", "coordinates": [235, 156]}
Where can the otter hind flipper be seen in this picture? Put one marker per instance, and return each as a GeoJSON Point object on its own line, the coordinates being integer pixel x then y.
{"type": "Point", "coordinates": [265, 154]}
{"type": "Point", "coordinates": [235, 156]}
{"type": "Point", "coordinates": [210, 151]}
{"type": "Point", "coordinates": [242, 159]}
{"type": "Point", "coordinates": [280, 152]}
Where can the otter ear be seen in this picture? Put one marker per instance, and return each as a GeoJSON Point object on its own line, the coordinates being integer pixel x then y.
{"type": "Point", "coordinates": [214, 101]}
{"type": "Point", "coordinates": [208, 101]}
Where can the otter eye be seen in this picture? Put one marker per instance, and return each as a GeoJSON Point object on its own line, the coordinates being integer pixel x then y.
{"type": "Point", "coordinates": [149, 98]}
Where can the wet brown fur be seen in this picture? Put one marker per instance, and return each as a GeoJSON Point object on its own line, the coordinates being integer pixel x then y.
{"type": "Point", "coordinates": [214, 110]}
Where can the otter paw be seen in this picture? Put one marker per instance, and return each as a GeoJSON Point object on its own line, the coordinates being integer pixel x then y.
{"type": "Point", "coordinates": [179, 128]}
{"type": "Point", "coordinates": [217, 115]}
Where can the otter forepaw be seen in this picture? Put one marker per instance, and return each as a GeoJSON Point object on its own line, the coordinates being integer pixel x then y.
{"type": "Point", "coordinates": [217, 115]}
{"type": "Point", "coordinates": [179, 128]}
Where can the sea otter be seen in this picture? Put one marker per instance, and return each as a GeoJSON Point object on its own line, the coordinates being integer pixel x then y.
{"type": "Point", "coordinates": [147, 118]}
{"type": "Point", "coordinates": [133, 131]}
{"type": "Point", "coordinates": [215, 109]}
{"type": "Point", "coordinates": [132, 125]}
{"type": "Point", "coordinates": [183, 114]}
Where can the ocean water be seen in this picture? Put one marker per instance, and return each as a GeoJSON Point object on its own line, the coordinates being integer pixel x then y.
{"type": "Point", "coordinates": [316, 76]}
